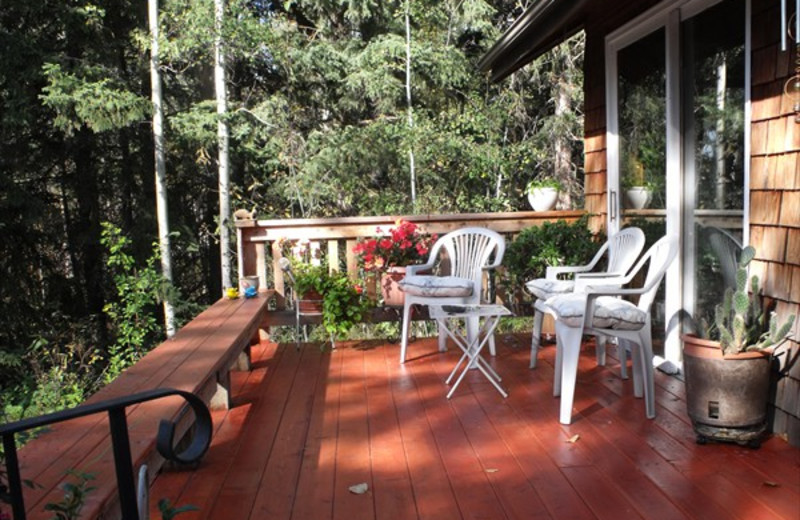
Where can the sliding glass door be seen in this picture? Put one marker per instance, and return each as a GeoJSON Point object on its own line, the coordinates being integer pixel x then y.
{"type": "Point", "coordinates": [675, 84]}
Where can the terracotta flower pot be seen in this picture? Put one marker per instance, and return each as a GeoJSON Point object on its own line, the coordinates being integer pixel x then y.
{"type": "Point", "coordinates": [726, 396]}
{"type": "Point", "coordinates": [310, 303]}
{"type": "Point", "coordinates": [390, 289]}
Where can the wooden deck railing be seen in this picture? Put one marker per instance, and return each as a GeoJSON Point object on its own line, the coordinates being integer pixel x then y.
{"type": "Point", "coordinates": [259, 252]}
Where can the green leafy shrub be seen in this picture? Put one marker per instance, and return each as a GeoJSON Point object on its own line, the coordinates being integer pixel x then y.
{"type": "Point", "coordinates": [551, 244]}
{"type": "Point", "coordinates": [133, 314]}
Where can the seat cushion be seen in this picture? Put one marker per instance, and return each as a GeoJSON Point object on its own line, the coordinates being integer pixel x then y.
{"type": "Point", "coordinates": [436, 286]}
{"type": "Point", "coordinates": [609, 312]}
{"type": "Point", "coordinates": [543, 288]}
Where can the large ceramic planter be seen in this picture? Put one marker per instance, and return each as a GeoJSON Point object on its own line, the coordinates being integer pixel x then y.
{"type": "Point", "coordinates": [390, 288]}
{"type": "Point", "coordinates": [637, 197]}
{"type": "Point", "coordinates": [726, 396]}
{"type": "Point", "coordinates": [543, 199]}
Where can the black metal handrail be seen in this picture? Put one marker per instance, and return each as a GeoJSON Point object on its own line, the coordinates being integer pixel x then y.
{"type": "Point", "coordinates": [120, 442]}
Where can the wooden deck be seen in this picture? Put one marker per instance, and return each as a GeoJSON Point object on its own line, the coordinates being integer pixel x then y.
{"type": "Point", "coordinates": [308, 425]}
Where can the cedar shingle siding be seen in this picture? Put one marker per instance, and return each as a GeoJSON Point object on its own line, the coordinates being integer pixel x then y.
{"type": "Point", "coordinates": [775, 195]}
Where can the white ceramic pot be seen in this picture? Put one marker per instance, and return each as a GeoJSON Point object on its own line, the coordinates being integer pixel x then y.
{"type": "Point", "coordinates": [637, 197]}
{"type": "Point", "coordinates": [543, 199]}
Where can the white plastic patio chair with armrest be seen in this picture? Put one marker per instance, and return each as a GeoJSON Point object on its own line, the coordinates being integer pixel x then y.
{"type": "Point", "coordinates": [622, 249]}
{"type": "Point", "coordinates": [599, 310]}
{"type": "Point", "coordinates": [469, 253]}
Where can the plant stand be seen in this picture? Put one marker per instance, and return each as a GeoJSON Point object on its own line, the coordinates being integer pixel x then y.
{"type": "Point", "coordinates": [309, 305]}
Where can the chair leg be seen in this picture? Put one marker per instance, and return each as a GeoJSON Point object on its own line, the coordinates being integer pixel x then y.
{"type": "Point", "coordinates": [557, 366]}
{"type": "Point", "coordinates": [600, 349]}
{"type": "Point", "coordinates": [536, 336]}
{"type": "Point", "coordinates": [570, 339]}
{"type": "Point", "coordinates": [404, 331]}
{"type": "Point", "coordinates": [622, 354]}
{"type": "Point", "coordinates": [646, 363]}
{"type": "Point", "coordinates": [442, 337]}
{"type": "Point", "coordinates": [297, 325]}
{"type": "Point", "coordinates": [636, 365]}
{"type": "Point", "coordinates": [473, 329]}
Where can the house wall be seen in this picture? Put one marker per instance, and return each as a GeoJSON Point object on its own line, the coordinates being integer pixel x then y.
{"type": "Point", "coordinates": [774, 171]}
{"type": "Point", "coordinates": [775, 195]}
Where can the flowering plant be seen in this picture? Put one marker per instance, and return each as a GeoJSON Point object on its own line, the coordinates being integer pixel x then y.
{"type": "Point", "coordinates": [405, 245]}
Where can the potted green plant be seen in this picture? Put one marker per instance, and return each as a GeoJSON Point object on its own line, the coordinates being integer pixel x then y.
{"type": "Point", "coordinates": [334, 295]}
{"type": "Point", "coordinates": [638, 191]}
{"type": "Point", "coordinates": [728, 376]}
{"type": "Point", "coordinates": [543, 193]}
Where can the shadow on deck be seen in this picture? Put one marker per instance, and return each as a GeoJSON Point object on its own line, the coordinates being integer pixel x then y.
{"type": "Point", "coordinates": [306, 425]}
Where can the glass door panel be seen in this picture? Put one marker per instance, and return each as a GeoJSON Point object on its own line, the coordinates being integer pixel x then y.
{"type": "Point", "coordinates": [641, 109]}
{"type": "Point", "coordinates": [642, 122]}
{"type": "Point", "coordinates": [713, 79]}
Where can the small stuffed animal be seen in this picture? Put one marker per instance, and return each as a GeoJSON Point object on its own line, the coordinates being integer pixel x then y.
{"type": "Point", "coordinates": [243, 214]}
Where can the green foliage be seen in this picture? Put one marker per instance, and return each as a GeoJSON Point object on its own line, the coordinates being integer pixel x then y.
{"type": "Point", "coordinates": [310, 278]}
{"type": "Point", "coordinates": [551, 244]}
{"type": "Point", "coordinates": [133, 314]}
{"type": "Point", "coordinates": [96, 103]}
{"type": "Point", "coordinates": [543, 182]}
{"type": "Point", "coordinates": [343, 304]}
{"type": "Point", "coordinates": [740, 320]}
{"type": "Point", "coordinates": [169, 511]}
{"type": "Point", "coordinates": [69, 508]}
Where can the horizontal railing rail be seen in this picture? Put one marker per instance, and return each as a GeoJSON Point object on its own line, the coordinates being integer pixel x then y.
{"type": "Point", "coordinates": [118, 427]}
{"type": "Point", "coordinates": [259, 252]}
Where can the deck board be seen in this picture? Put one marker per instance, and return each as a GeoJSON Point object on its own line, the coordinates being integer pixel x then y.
{"type": "Point", "coordinates": [307, 425]}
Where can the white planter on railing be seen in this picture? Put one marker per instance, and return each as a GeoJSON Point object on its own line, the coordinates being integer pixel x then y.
{"type": "Point", "coordinates": [637, 197]}
{"type": "Point", "coordinates": [543, 199]}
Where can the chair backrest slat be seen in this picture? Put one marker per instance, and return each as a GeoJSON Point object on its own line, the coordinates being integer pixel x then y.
{"type": "Point", "coordinates": [470, 249]}
{"type": "Point", "coordinates": [624, 248]}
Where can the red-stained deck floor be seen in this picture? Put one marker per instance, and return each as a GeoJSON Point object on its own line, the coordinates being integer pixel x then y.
{"type": "Point", "coordinates": [308, 425]}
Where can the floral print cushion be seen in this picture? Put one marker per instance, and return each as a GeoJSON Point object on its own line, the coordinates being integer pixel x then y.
{"type": "Point", "coordinates": [436, 286]}
{"type": "Point", "coordinates": [609, 312]}
{"type": "Point", "coordinates": [544, 289]}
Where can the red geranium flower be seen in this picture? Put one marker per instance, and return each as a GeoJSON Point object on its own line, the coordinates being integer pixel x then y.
{"type": "Point", "coordinates": [405, 245]}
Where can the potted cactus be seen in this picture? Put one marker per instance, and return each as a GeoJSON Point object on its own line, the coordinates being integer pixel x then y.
{"type": "Point", "coordinates": [728, 377]}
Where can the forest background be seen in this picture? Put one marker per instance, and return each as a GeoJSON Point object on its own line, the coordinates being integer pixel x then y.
{"type": "Point", "coordinates": [320, 125]}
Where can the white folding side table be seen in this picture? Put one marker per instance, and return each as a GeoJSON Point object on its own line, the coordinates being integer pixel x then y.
{"type": "Point", "coordinates": [491, 314]}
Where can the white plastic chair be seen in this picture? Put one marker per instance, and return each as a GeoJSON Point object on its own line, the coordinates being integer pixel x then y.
{"type": "Point", "coordinates": [469, 251]}
{"type": "Point", "coordinates": [598, 310]}
{"type": "Point", "coordinates": [623, 248]}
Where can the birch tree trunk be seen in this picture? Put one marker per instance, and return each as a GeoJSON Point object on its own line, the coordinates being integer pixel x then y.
{"type": "Point", "coordinates": [412, 171]}
{"type": "Point", "coordinates": [222, 143]}
{"type": "Point", "coordinates": [561, 146]}
{"type": "Point", "coordinates": [161, 170]}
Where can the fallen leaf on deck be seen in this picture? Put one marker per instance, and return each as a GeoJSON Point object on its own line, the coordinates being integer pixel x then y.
{"type": "Point", "coordinates": [359, 489]}
{"type": "Point", "coordinates": [574, 438]}
{"type": "Point", "coordinates": [492, 470]}
{"type": "Point", "coordinates": [771, 484]}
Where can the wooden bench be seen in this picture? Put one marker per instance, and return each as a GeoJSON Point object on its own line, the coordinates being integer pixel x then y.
{"type": "Point", "coordinates": [197, 359]}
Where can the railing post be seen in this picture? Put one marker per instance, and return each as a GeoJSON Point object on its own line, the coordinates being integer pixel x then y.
{"type": "Point", "coordinates": [123, 464]}
{"type": "Point", "coordinates": [14, 478]}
